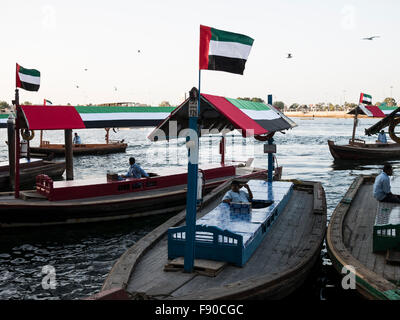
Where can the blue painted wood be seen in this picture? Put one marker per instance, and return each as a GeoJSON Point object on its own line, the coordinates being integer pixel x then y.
{"type": "Point", "coordinates": [224, 235]}
{"type": "Point", "coordinates": [270, 155]}
{"type": "Point", "coordinates": [191, 202]}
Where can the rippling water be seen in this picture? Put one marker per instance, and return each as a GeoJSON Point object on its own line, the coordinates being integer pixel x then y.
{"type": "Point", "coordinates": [83, 255]}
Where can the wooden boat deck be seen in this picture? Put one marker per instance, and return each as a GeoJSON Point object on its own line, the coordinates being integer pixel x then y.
{"type": "Point", "coordinates": [358, 234]}
{"type": "Point", "coordinates": [283, 257]}
{"type": "Point", "coordinates": [349, 242]}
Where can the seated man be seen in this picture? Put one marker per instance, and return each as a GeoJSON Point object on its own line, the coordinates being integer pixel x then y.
{"type": "Point", "coordinates": [382, 137]}
{"type": "Point", "coordinates": [135, 171]}
{"type": "Point", "coordinates": [237, 195]}
{"type": "Point", "coordinates": [77, 139]}
{"type": "Point", "coordinates": [381, 188]}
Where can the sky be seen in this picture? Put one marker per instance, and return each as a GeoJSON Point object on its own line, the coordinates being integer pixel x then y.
{"type": "Point", "coordinates": [330, 61]}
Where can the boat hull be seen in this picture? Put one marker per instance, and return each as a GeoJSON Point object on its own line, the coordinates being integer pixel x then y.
{"type": "Point", "coordinates": [38, 211]}
{"type": "Point", "coordinates": [83, 149]}
{"type": "Point", "coordinates": [364, 152]}
{"type": "Point", "coordinates": [29, 171]}
{"type": "Point", "coordinates": [349, 243]}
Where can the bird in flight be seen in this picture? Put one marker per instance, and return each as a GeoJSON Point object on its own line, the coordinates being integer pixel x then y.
{"type": "Point", "coordinates": [289, 56]}
{"type": "Point", "coordinates": [370, 38]}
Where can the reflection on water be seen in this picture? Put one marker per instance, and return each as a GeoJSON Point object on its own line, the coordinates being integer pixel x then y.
{"type": "Point", "coordinates": [83, 255]}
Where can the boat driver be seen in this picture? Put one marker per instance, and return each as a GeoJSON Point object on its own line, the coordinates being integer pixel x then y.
{"type": "Point", "coordinates": [135, 171]}
{"type": "Point", "coordinates": [237, 195]}
{"type": "Point", "coordinates": [77, 139]}
{"type": "Point", "coordinates": [382, 137]}
{"type": "Point", "coordinates": [381, 188]}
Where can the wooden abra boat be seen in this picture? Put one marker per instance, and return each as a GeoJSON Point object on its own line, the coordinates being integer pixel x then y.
{"type": "Point", "coordinates": [29, 171]}
{"type": "Point", "coordinates": [58, 150]}
{"type": "Point", "coordinates": [79, 149]}
{"type": "Point", "coordinates": [92, 200]}
{"type": "Point", "coordinates": [265, 253]}
{"type": "Point", "coordinates": [359, 150]}
{"type": "Point", "coordinates": [363, 233]}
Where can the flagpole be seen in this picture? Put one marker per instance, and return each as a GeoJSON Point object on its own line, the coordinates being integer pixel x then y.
{"type": "Point", "coordinates": [193, 168]}
{"type": "Point", "coordinates": [17, 144]}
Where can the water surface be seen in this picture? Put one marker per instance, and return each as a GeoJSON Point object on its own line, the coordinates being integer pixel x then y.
{"type": "Point", "coordinates": [83, 255]}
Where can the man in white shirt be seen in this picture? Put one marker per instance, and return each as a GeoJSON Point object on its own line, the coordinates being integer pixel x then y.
{"type": "Point", "coordinates": [382, 191]}
{"type": "Point", "coordinates": [237, 195]}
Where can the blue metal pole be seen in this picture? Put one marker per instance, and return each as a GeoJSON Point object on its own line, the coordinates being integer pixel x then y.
{"type": "Point", "coordinates": [270, 155]}
{"type": "Point", "coordinates": [191, 198]}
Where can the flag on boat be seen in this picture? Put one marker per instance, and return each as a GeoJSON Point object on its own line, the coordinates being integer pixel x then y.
{"type": "Point", "coordinates": [28, 79]}
{"type": "Point", "coordinates": [47, 102]}
{"type": "Point", "coordinates": [365, 99]}
{"type": "Point", "coordinates": [366, 107]}
{"type": "Point", "coordinates": [223, 51]}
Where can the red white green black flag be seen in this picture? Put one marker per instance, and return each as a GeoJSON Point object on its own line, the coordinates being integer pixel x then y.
{"type": "Point", "coordinates": [28, 79]}
{"type": "Point", "coordinates": [223, 51]}
{"type": "Point", "coordinates": [365, 98]}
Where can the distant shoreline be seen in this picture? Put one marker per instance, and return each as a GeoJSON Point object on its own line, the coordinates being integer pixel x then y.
{"type": "Point", "coordinates": [322, 114]}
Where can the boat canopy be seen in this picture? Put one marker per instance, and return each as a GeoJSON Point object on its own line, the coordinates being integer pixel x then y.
{"type": "Point", "coordinates": [220, 115]}
{"type": "Point", "coordinates": [382, 123]}
{"type": "Point", "coordinates": [50, 118]}
{"type": "Point", "coordinates": [380, 111]}
{"type": "Point", "coordinates": [104, 116]}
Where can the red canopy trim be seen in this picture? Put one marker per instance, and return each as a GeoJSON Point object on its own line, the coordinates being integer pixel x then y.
{"type": "Point", "coordinates": [235, 115]}
{"type": "Point", "coordinates": [376, 112]}
{"type": "Point", "coordinates": [52, 117]}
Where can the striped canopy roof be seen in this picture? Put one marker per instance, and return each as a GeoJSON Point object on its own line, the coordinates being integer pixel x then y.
{"type": "Point", "coordinates": [219, 114]}
{"type": "Point", "coordinates": [380, 111]}
{"type": "Point", "coordinates": [112, 117]}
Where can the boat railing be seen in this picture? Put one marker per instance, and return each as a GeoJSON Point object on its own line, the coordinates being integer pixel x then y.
{"type": "Point", "coordinates": [386, 234]}
{"type": "Point", "coordinates": [211, 243]}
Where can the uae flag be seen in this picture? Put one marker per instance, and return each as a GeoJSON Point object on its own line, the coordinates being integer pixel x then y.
{"type": "Point", "coordinates": [365, 99]}
{"type": "Point", "coordinates": [47, 102]}
{"type": "Point", "coordinates": [28, 79]}
{"type": "Point", "coordinates": [223, 51]}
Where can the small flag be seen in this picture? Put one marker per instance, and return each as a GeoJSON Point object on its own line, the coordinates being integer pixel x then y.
{"type": "Point", "coordinates": [223, 51]}
{"type": "Point", "coordinates": [28, 79]}
{"type": "Point", "coordinates": [365, 99]}
{"type": "Point", "coordinates": [47, 102]}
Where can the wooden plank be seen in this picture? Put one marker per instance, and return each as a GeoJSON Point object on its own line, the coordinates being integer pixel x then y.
{"type": "Point", "coordinates": [319, 199]}
{"type": "Point", "coordinates": [208, 268]}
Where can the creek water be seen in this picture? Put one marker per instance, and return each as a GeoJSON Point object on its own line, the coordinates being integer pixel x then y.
{"type": "Point", "coordinates": [82, 255]}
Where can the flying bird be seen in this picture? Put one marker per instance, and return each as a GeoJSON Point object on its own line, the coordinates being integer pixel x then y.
{"type": "Point", "coordinates": [370, 38]}
{"type": "Point", "coordinates": [289, 56]}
